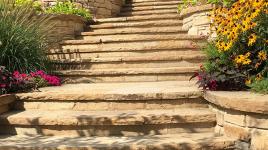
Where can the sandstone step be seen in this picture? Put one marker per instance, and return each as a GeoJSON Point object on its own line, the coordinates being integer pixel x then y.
{"type": "Point", "coordinates": [155, 55]}
{"type": "Point", "coordinates": [108, 123]}
{"type": "Point", "coordinates": [139, 18]}
{"type": "Point", "coordinates": [128, 74]}
{"type": "Point", "coordinates": [147, 23]}
{"type": "Point", "coordinates": [128, 46]}
{"type": "Point", "coordinates": [154, 3]}
{"type": "Point", "coordinates": [149, 12]}
{"type": "Point", "coordinates": [145, 8]}
{"type": "Point", "coordinates": [145, 1]}
{"type": "Point", "coordinates": [205, 141]}
{"type": "Point", "coordinates": [133, 30]}
{"type": "Point", "coordinates": [129, 62]}
{"type": "Point", "coordinates": [134, 38]}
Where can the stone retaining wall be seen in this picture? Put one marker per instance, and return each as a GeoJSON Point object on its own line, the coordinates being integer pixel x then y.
{"type": "Point", "coordinates": [196, 20]}
{"type": "Point", "coordinates": [5, 102]}
{"type": "Point", "coordinates": [66, 27]}
{"type": "Point", "coordinates": [242, 115]}
{"type": "Point", "coordinates": [98, 8]}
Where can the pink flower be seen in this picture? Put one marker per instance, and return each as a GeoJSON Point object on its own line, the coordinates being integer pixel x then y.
{"type": "Point", "coordinates": [3, 85]}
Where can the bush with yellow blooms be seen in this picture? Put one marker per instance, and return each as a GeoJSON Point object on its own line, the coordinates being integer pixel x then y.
{"type": "Point", "coordinates": [237, 58]}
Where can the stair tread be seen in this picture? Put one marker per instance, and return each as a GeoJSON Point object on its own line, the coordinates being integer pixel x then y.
{"type": "Point", "coordinates": [194, 56]}
{"type": "Point", "coordinates": [154, 3]}
{"type": "Point", "coordinates": [133, 38]}
{"type": "Point", "coordinates": [138, 24]}
{"type": "Point", "coordinates": [117, 117]}
{"type": "Point", "coordinates": [130, 71]}
{"type": "Point", "coordinates": [116, 91]}
{"type": "Point", "coordinates": [139, 18]}
{"type": "Point", "coordinates": [144, 8]}
{"type": "Point", "coordinates": [154, 142]}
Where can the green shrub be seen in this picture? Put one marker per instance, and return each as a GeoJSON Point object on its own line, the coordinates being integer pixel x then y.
{"type": "Point", "coordinates": [36, 5]}
{"type": "Point", "coordinates": [68, 7]}
{"type": "Point", "coordinates": [260, 86]}
{"type": "Point", "coordinates": [23, 37]}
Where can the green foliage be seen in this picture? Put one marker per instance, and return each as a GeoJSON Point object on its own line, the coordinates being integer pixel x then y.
{"type": "Point", "coordinates": [68, 7]}
{"type": "Point", "coordinates": [23, 37]}
{"type": "Point", "coordinates": [36, 5]}
{"type": "Point", "coordinates": [260, 86]}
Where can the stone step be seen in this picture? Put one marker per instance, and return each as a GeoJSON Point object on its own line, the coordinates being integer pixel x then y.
{"type": "Point", "coordinates": [145, 1]}
{"type": "Point", "coordinates": [148, 23]}
{"type": "Point", "coordinates": [205, 141]}
{"type": "Point", "coordinates": [127, 55]}
{"type": "Point", "coordinates": [145, 8]}
{"type": "Point", "coordinates": [129, 62]}
{"type": "Point", "coordinates": [114, 96]}
{"type": "Point", "coordinates": [139, 18]}
{"type": "Point", "coordinates": [153, 3]}
{"type": "Point", "coordinates": [108, 123]}
{"type": "Point", "coordinates": [128, 46]}
{"type": "Point", "coordinates": [128, 75]}
{"type": "Point", "coordinates": [134, 38]}
{"type": "Point", "coordinates": [149, 12]}
{"type": "Point", "coordinates": [136, 30]}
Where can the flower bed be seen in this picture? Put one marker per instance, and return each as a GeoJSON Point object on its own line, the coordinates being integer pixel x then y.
{"type": "Point", "coordinates": [20, 82]}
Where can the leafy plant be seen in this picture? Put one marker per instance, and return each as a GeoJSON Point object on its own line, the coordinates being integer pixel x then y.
{"type": "Point", "coordinates": [68, 7]}
{"type": "Point", "coordinates": [23, 37]}
{"type": "Point", "coordinates": [36, 5]}
{"type": "Point", "coordinates": [260, 86]}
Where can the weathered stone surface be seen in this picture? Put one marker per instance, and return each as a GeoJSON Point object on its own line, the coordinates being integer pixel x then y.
{"type": "Point", "coordinates": [259, 121]}
{"type": "Point", "coordinates": [161, 142]}
{"type": "Point", "coordinates": [238, 132]}
{"type": "Point", "coordinates": [5, 101]}
{"type": "Point", "coordinates": [259, 140]}
{"type": "Point", "coordinates": [241, 101]}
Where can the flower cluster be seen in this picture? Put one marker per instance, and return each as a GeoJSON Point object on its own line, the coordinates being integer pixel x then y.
{"type": "Point", "coordinates": [16, 81]}
{"type": "Point", "coordinates": [239, 53]}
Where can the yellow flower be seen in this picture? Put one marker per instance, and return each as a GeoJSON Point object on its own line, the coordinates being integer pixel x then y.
{"type": "Point", "coordinates": [248, 81]}
{"type": "Point", "coordinates": [243, 59]}
{"type": "Point", "coordinates": [258, 77]}
{"type": "Point", "coordinates": [262, 55]}
{"type": "Point", "coordinates": [252, 39]}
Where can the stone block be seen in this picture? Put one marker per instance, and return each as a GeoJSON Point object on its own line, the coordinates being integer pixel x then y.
{"type": "Point", "coordinates": [237, 132]}
{"type": "Point", "coordinates": [259, 140]}
{"type": "Point", "coordinates": [257, 121]}
{"type": "Point", "coordinates": [236, 118]}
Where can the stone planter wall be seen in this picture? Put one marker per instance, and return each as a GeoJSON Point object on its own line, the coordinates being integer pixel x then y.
{"type": "Point", "coordinates": [5, 102]}
{"type": "Point", "coordinates": [242, 115]}
{"type": "Point", "coordinates": [66, 27]}
{"type": "Point", "coordinates": [196, 20]}
{"type": "Point", "coordinates": [98, 8]}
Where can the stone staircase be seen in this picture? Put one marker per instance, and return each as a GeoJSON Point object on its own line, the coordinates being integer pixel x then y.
{"type": "Point", "coordinates": [139, 97]}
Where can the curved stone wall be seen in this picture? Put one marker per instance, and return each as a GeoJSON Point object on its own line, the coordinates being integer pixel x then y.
{"type": "Point", "coordinates": [98, 8]}
{"type": "Point", "coordinates": [196, 20]}
{"type": "Point", "coordinates": [242, 115]}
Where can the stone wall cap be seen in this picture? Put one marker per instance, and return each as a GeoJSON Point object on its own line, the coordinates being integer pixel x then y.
{"type": "Point", "coordinates": [195, 9]}
{"type": "Point", "coordinates": [242, 101]}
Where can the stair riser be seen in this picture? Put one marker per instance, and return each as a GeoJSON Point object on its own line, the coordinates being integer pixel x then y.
{"type": "Point", "coordinates": [131, 46]}
{"type": "Point", "coordinates": [131, 130]}
{"type": "Point", "coordinates": [124, 55]}
{"type": "Point", "coordinates": [162, 23]}
{"type": "Point", "coordinates": [140, 64]}
{"type": "Point", "coordinates": [139, 37]}
{"type": "Point", "coordinates": [149, 12]}
{"type": "Point", "coordinates": [111, 105]}
{"type": "Point", "coordinates": [145, 8]}
{"type": "Point", "coordinates": [153, 3]}
{"type": "Point", "coordinates": [140, 18]}
{"type": "Point", "coordinates": [123, 31]}
{"type": "Point", "coordinates": [128, 78]}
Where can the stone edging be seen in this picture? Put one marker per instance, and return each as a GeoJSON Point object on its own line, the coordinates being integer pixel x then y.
{"type": "Point", "coordinates": [191, 10]}
{"type": "Point", "coordinates": [241, 101]}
